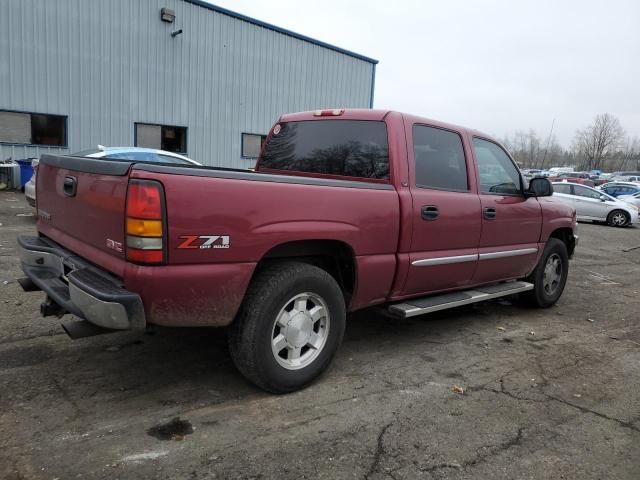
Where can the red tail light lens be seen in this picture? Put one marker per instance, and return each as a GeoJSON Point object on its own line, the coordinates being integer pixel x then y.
{"type": "Point", "coordinates": [145, 222]}
{"type": "Point", "coordinates": [144, 200]}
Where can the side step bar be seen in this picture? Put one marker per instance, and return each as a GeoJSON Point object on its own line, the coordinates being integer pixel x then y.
{"type": "Point", "coordinates": [433, 303]}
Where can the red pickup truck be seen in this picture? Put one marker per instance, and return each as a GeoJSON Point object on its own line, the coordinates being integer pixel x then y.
{"type": "Point", "coordinates": [347, 209]}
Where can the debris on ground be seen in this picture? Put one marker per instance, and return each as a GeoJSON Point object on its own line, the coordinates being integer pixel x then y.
{"type": "Point", "coordinates": [502, 329]}
{"type": "Point", "coordinates": [532, 332]}
{"type": "Point", "coordinates": [112, 348]}
{"type": "Point", "coordinates": [457, 389]}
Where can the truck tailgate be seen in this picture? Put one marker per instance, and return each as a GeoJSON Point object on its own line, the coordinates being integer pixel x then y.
{"type": "Point", "coordinates": [82, 201]}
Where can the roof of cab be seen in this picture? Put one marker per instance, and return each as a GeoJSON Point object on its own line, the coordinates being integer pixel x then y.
{"type": "Point", "coordinates": [376, 115]}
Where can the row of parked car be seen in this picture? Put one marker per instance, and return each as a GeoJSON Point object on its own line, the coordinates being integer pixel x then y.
{"type": "Point", "coordinates": [617, 203]}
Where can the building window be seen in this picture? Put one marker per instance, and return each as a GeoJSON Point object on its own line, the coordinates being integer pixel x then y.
{"type": "Point", "coordinates": [33, 128]}
{"type": "Point", "coordinates": [252, 144]}
{"type": "Point", "coordinates": [161, 137]}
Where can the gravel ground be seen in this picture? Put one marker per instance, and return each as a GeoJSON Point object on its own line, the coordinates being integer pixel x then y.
{"type": "Point", "coordinates": [546, 393]}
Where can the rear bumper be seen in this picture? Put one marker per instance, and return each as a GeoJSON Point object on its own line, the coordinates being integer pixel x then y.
{"type": "Point", "coordinates": [79, 287]}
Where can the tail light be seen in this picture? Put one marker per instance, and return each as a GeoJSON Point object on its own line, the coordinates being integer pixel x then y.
{"type": "Point", "coordinates": [145, 222]}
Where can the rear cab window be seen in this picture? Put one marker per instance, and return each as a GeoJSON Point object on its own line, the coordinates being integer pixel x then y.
{"type": "Point", "coordinates": [346, 148]}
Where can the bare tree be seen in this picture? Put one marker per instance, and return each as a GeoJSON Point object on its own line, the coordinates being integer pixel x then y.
{"type": "Point", "coordinates": [595, 142]}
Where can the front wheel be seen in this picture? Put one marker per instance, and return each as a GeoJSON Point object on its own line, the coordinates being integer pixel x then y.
{"type": "Point", "coordinates": [618, 218]}
{"type": "Point", "coordinates": [549, 276]}
{"type": "Point", "coordinates": [289, 326]}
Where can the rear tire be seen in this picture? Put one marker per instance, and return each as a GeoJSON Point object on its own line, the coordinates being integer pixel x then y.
{"type": "Point", "coordinates": [550, 275]}
{"type": "Point", "coordinates": [618, 218]}
{"type": "Point", "coordinates": [289, 326]}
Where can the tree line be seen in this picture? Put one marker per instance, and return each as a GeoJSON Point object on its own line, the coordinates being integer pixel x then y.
{"type": "Point", "coordinates": [601, 145]}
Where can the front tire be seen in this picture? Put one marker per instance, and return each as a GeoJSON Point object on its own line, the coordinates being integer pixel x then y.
{"type": "Point", "coordinates": [550, 275]}
{"type": "Point", "coordinates": [618, 218]}
{"type": "Point", "coordinates": [289, 327]}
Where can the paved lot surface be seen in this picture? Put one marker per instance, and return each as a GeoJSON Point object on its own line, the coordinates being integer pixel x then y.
{"type": "Point", "coordinates": [547, 394]}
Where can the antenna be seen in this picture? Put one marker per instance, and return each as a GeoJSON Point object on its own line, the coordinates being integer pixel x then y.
{"type": "Point", "coordinates": [547, 147]}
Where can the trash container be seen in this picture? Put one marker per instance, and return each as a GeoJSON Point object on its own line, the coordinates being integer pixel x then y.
{"type": "Point", "coordinates": [26, 171]}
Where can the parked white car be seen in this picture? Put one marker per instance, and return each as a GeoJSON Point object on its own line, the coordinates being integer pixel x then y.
{"type": "Point", "coordinates": [118, 153]}
{"type": "Point", "coordinates": [632, 199]}
{"type": "Point", "coordinates": [595, 205]}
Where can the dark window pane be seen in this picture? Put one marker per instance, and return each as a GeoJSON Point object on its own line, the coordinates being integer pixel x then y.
{"type": "Point", "coordinates": [139, 156]}
{"type": "Point", "coordinates": [498, 174]}
{"type": "Point", "coordinates": [161, 137]}
{"type": "Point", "coordinates": [353, 148]}
{"type": "Point", "coordinates": [174, 139]}
{"type": "Point", "coordinates": [48, 130]}
{"type": "Point", "coordinates": [585, 192]}
{"type": "Point", "coordinates": [33, 128]}
{"type": "Point", "coordinates": [169, 159]}
{"type": "Point", "coordinates": [562, 188]}
{"type": "Point", "coordinates": [252, 144]}
{"type": "Point", "coordinates": [439, 158]}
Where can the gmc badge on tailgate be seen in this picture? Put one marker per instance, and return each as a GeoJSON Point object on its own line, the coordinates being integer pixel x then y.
{"type": "Point", "coordinates": [204, 241]}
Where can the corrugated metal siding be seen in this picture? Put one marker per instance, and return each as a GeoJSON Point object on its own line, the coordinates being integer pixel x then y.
{"type": "Point", "coordinates": [109, 63]}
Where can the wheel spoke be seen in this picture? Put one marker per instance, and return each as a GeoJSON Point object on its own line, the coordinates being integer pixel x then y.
{"type": "Point", "coordinates": [316, 313]}
{"type": "Point", "coordinates": [300, 304]}
{"type": "Point", "coordinates": [294, 354]}
{"type": "Point", "coordinates": [314, 341]}
{"type": "Point", "coordinates": [279, 343]}
{"type": "Point", "coordinates": [283, 318]}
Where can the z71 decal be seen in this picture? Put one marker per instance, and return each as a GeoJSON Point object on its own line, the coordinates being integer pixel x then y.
{"type": "Point", "coordinates": [204, 241]}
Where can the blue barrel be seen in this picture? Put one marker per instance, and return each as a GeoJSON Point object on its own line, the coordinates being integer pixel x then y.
{"type": "Point", "coordinates": [26, 171]}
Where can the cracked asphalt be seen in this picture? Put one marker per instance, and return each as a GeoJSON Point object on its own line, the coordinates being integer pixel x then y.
{"type": "Point", "coordinates": [546, 393]}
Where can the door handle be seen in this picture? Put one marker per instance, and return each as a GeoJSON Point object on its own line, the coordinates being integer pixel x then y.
{"type": "Point", "coordinates": [69, 186]}
{"type": "Point", "coordinates": [430, 212]}
{"type": "Point", "coordinates": [490, 213]}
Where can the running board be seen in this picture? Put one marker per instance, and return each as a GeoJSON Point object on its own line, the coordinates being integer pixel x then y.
{"type": "Point", "coordinates": [433, 303]}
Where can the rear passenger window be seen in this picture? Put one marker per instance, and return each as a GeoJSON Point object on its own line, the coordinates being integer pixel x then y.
{"type": "Point", "coordinates": [585, 192]}
{"type": "Point", "coordinates": [562, 188]}
{"type": "Point", "coordinates": [352, 148]}
{"type": "Point", "coordinates": [439, 159]}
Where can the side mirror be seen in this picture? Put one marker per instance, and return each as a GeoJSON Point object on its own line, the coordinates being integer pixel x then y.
{"type": "Point", "coordinates": [539, 187]}
{"type": "Point", "coordinates": [603, 198]}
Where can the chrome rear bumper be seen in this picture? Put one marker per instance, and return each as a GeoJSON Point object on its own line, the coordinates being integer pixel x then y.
{"type": "Point", "coordinates": [78, 287]}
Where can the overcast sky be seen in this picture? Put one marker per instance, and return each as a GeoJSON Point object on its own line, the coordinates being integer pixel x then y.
{"type": "Point", "coordinates": [498, 66]}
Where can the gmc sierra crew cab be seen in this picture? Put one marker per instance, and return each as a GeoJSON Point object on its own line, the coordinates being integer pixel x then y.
{"type": "Point", "coordinates": [347, 209]}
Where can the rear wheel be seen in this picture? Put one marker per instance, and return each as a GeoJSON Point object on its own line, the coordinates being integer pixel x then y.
{"type": "Point", "coordinates": [618, 218]}
{"type": "Point", "coordinates": [549, 276]}
{"type": "Point", "coordinates": [289, 327]}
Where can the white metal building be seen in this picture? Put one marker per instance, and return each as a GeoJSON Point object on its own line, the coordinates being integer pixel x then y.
{"type": "Point", "coordinates": [182, 75]}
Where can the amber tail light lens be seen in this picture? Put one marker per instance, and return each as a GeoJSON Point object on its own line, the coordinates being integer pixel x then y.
{"type": "Point", "coordinates": [145, 222]}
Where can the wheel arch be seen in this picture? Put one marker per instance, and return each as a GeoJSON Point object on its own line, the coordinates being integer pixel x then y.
{"type": "Point", "coordinates": [336, 257]}
{"type": "Point", "coordinates": [565, 234]}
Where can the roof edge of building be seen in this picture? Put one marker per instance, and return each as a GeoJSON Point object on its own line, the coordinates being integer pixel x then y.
{"type": "Point", "coordinates": [284, 31]}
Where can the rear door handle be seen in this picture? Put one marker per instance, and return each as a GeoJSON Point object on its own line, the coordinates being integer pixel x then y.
{"type": "Point", "coordinates": [69, 186]}
{"type": "Point", "coordinates": [430, 212]}
{"type": "Point", "coordinates": [490, 213]}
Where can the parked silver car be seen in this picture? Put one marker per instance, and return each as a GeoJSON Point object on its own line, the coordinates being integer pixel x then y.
{"type": "Point", "coordinates": [632, 199]}
{"type": "Point", "coordinates": [595, 205]}
{"type": "Point", "coordinates": [119, 153]}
